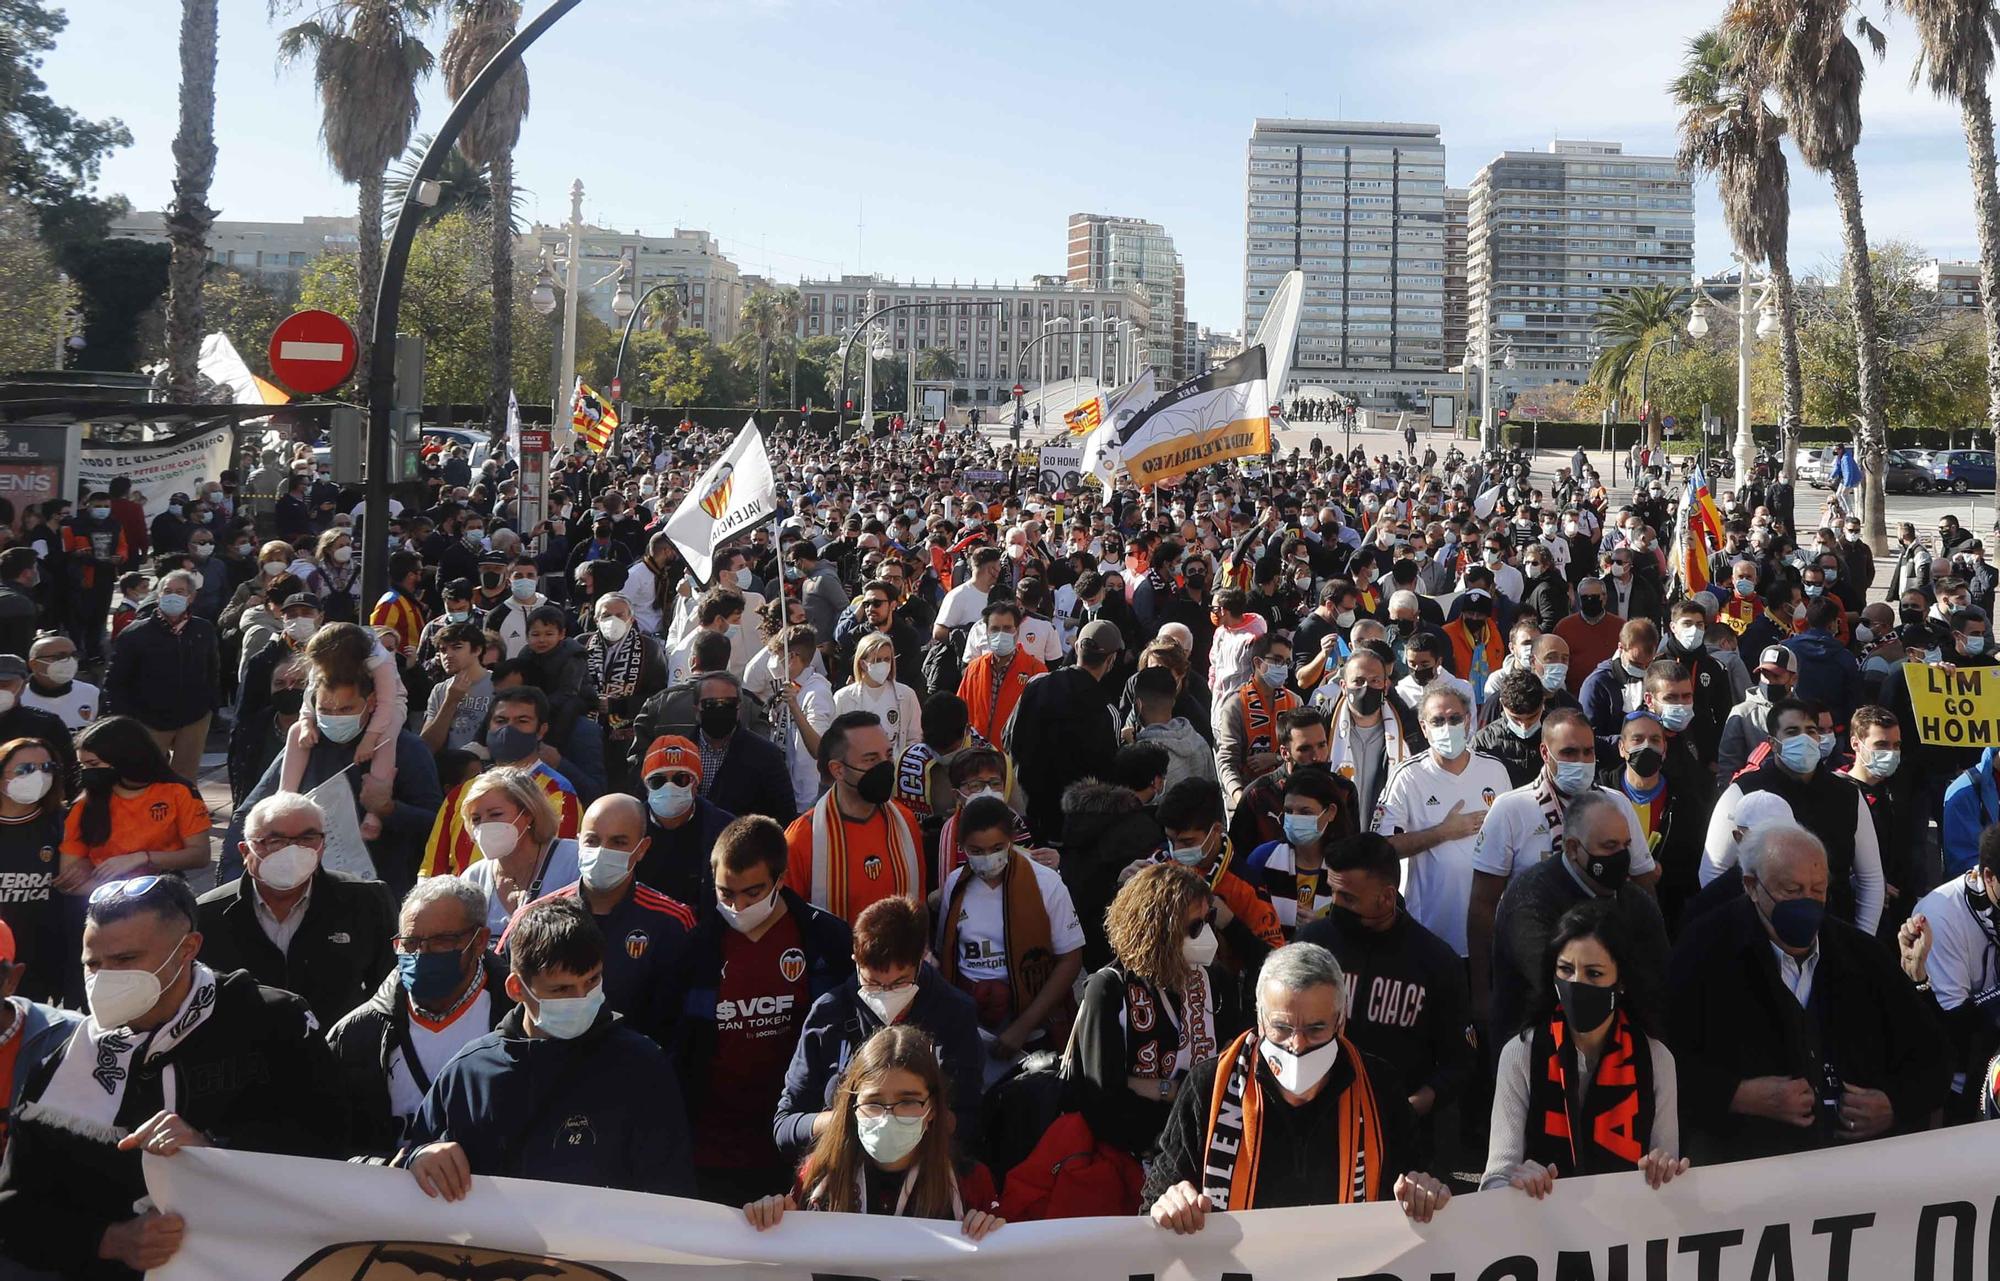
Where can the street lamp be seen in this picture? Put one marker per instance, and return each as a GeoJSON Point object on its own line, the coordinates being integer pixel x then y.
{"type": "Point", "coordinates": [623, 304]}
{"type": "Point", "coordinates": [1489, 433]}
{"type": "Point", "coordinates": [1765, 305]}
{"type": "Point", "coordinates": [543, 296]}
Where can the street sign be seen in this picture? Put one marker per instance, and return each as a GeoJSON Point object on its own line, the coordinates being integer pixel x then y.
{"type": "Point", "coordinates": [1019, 391]}
{"type": "Point", "coordinates": [1500, 415]}
{"type": "Point", "coordinates": [617, 389]}
{"type": "Point", "coordinates": [1670, 422]}
{"type": "Point", "coordinates": [313, 352]}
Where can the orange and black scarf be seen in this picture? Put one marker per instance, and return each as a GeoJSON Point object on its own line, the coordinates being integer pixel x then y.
{"type": "Point", "coordinates": [1236, 1131]}
{"type": "Point", "coordinates": [1024, 921]}
{"type": "Point", "coordinates": [1614, 1125]}
{"type": "Point", "coordinates": [1260, 715]}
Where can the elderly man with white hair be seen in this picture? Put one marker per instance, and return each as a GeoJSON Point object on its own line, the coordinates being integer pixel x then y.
{"type": "Point", "coordinates": [1793, 1030]}
{"type": "Point", "coordinates": [1291, 1114]}
{"type": "Point", "coordinates": [163, 671]}
{"type": "Point", "coordinates": [446, 990]}
{"type": "Point", "coordinates": [292, 923]}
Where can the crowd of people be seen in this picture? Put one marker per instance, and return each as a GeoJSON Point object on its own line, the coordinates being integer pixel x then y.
{"type": "Point", "coordinates": [1339, 829]}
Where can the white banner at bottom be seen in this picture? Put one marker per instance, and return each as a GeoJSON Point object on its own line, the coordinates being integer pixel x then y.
{"type": "Point", "coordinates": [1920, 1208]}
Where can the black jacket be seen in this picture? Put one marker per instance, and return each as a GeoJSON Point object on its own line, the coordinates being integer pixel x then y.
{"type": "Point", "coordinates": [1411, 1005]}
{"type": "Point", "coordinates": [1731, 1018]}
{"type": "Point", "coordinates": [1104, 1066]}
{"type": "Point", "coordinates": [164, 678]}
{"type": "Point", "coordinates": [19, 617]}
{"type": "Point", "coordinates": [1547, 598]}
{"type": "Point", "coordinates": [1105, 829]}
{"type": "Point", "coordinates": [338, 956]}
{"type": "Point", "coordinates": [1062, 731]}
{"type": "Point", "coordinates": [1534, 900]}
{"type": "Point", "coordinates": [255, 1076]}
{"type": "Point", "coordinates": [363, 1042]}
{"type": "Point", "coordinates": [1713, 698]}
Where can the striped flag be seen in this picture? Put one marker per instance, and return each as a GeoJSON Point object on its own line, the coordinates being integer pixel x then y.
{"type": "Point", "coordinates": [593, 417]}
{"type": "Point", "coordinates": [1697, 533]}
{"type": "Point", "coordinates": [1224, 414]}
{"type": "Point", "coordinates": [450, 849]}
{"type": "Point", "coordinates": [1086, 417]}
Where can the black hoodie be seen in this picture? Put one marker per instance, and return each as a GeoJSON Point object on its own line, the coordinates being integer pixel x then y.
{"type": "Point", "coordinates": [1105, 829]}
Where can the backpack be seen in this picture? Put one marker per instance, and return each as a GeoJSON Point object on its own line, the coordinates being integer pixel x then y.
{"type": "Point", "coordinates": [943, 662]}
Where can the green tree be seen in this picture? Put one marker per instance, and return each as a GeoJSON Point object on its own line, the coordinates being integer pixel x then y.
{"type": "Point", "coordinates": [681, 371]}
{"type": "Point", "coordinates": [763, 318]}
{"type": "Point", "coordinates": [481, 28]}
{"type": "Point", "coordinates": [189, 217]}
{"type": "Point", "coordinates": [246, 309]}
{"type": "Point", "coordinates": [463, 187]}
{"type": "Point", "coordinates": [1628, 327]}
{"type": "Point", "coordinates": [34, 296]}
{"type": "Point", "coordinates": [120, 281]}
{"type": "Point", "coordinates": [50, 155]}
{"type": "Point", "coordinates": [937, 364]}
{"type": "Point", "coordinates": [792, 316]}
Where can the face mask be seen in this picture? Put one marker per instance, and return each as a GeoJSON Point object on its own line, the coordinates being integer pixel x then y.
{"type": "Point", "coordinates": [1572, 528]}
{"type": "Point", "coordinates": [1646, 761]}
{"type": "Point", "coordinates": [1609, 870]}
{"type": "Point", "coordinates": [1001, 644]}
{"type": "Point", "coordinates": [27, 789]}
{"type": "Point", "coordinates": [1883, 761]}
{"type": "Point", "coordinates": [300, 630]}
{"type": "Point", "coordinates": [1827, 744]}
{"type": "Point", "coordinates": [669, 801]}
{"type": "Point", "coordinates": [1975, 645]}
{"type": "Point", "coordinates": [338, 729]}
{"type": "Point", "coordinates": [1830, 575]}
{"type": "Point", "coordinates": [891, 1138]}
{"type": "Point", "coordinates": [1491, 557]}
{"type": "Point", "coordinates": [601, 868]}
{"type": "Point", "coordinates": [173, 604]}
{"type": "Point", "coordinates": [116, 997]}
{"type": "Point", "coordinates": [522, 588]}
{"type": "Point", "coordinates": [62, 671]}
{"type": "Point", "coordinates": [96, 778]}
{"type": "Point", "coordinates": [877, 783]}
{"type": "Point", "coordinates": [1555, 676]}
{"type": "Point", "coordinates": [510, 744]}
{"type": "Point", "coordinates": [1590, 607]}
{"type": "Point", "coordinates": [987, 866]}
{"type": "Point", "coordinates": [887, 1004]}
{"type": "Point", "coordinates": [1796, 921]}
{"type": "Point", "coordinates": [1200, 950]}
{"type": "Point", "coordinates": [1448, 741]}
{"type": "Point", "coordinates": [745, 919]}
{"type": "Point", "coordinates": [1299, 1072]}
{"type": "Point", "coordinates": [496, 840]}
{"type": "Point", "coordinates": [100, 513]}
{"type": "Point", "coordinates": [1189, 855]}
{"type": "Point", "coordinates": [1690, 638]}
{"type": "Point", "coordinates": [1799, 753]}
{"type": "Point", "coordinates": [287, 869]}
{"type": "Point", "coordinates": [1675, 716]}
{"type": "Point", "coordinates": [1276, 674]}
{"type": "Point", "coordinates": [1368, 701]}
{"type": "Point", "coordinates": [877, 673]}
{"type": "Point", "coordinates": [1813, 591]}
{"type": "Point", "coordinates": [1344, 619]}
{"type": "Point", "coordinates": [1585, 1006]}
{"type": "Point", "coordinates": [567, 1017]}
{"type": "Point", "coordinates": [203, 551]}
{"type": "Point", "coordinates": [460, 616]}
{"type": "Point", "coordinates": [429, 977]}
{"type": "Point", "coordinates": [1572, 777]}
{"type": "Point", "coordinates": [1300, 829]}
{"type": "Point", "coordinates": [341, 555]}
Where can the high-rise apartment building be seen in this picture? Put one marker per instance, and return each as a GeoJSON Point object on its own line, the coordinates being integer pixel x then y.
{"type": "Point", "coordinates": [1109, 252]}
{"type": "Point", "coordinates": [1553, 236]}
{"type": "Point", "coordinates": [1456, 202]}
{"type": "Point", "coordinates": [1360, 208]}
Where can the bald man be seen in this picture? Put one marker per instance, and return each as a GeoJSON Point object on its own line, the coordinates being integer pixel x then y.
{"type": "Point", "coordinates": [645, 931]}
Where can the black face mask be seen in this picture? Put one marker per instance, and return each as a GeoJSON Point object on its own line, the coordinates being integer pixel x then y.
{"type": "Point", "coordinates": [1368, 701]}
{"type": "Point", "coordinates": [1911, 615]}
{"type": "Point", "coordinates": [97, 778]}
{"type": "Point", "coordinates": [1590, 606]}
{"type": "Point", "coordinates": [288, 702]}
{"type": "Point", "coordinates": [1646, 761]}
{"type": "Point", "coordinates": [1609, 870]}
{"type": "Point", "coordinates": [718, 720]}
{"type": "Point", "coordinates": [1585, 1006]}
{"type": "Point", "coordinates": [877, 783]}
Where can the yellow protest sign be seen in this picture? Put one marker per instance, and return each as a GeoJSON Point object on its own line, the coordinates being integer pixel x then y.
{"type": "Point", "coordinates": [1958, 708]}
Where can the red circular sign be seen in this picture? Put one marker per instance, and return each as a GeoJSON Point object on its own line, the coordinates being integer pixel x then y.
{"type": "Point", "coordinates": [617, 389]}
{"type": "Point", "coordinates": [1019, 390]}
{"type": "Point", "coordinates": [313, 351]}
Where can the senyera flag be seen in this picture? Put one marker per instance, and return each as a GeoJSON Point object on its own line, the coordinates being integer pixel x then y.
{"type": "Point", "coordinates": [734, 494]}
{"type": "Point", "coordinates": [593, 417]}
{"type": "Point", "coordinates": [1225, 413]}
{"type": "Point", "coordinates": [1697, 533]}
{"type": "Point", "coordinates": [1085, 418]}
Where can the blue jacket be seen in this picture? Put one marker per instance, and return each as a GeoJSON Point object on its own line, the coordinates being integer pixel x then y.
{"type": "Point", "coordinates": [46, 1031]}
{"type": "Point", "coordinates": [1847, 471]}
{"type": "Point", "coordinates": [1603, 699]}
{"type": "Point", "coordinates": [603, 1110]}
{"type": "Point", "coordinates": [1971, 803]}
{"type": "Point", "coordinates": [417, 799]}
{"type": "Point", "coordinates": [835, 1029]}
{"type": "Point", "coordinates": [1827, 672]}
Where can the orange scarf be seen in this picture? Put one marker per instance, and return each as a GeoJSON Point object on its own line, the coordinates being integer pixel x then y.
{"type": "Point", "coordinates": [1260, 715]}
{"type": "Point", "coordinates": [1236, 1131]}
{"type": "Point", "coordinates": [1024, 924]}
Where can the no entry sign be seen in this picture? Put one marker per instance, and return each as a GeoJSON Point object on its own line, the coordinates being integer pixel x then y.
{"type": "Point", "coordinates": [313, 352]}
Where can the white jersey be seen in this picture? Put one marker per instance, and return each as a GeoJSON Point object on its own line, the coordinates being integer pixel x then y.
{"type": "Point", "coordinates": [1965, 952]}
{"type": "Point", "coordinates": [982, 933]}
{"type": "Point", "coordinates": [1516, 835]}
{"type": "Point", "coordinates": [77, 706]}
{"type": "Point", "coordinates": [1437, 884]}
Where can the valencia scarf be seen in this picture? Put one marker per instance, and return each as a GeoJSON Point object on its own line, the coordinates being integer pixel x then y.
{"type": "Point", "coordinates": [1236, 1131]}
{"type": "Point", "coordinates": [1609, 1129]}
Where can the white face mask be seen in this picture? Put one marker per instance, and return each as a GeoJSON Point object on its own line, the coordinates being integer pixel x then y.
{"type": "Point", "coordinates": [600, 868]}
{"type": "Point", "coordinates": [878, 673]}
{"type": "Point", "coordinates": [613, 628]}
{"type": "Point", "coordinates": [288, 868]}
{"type": "Point", "coordinates": [116, 997]}
{"type": "Point", "coordinates": [987, 866]}
{"type": "Point", "coordinates": [27, 789]}
{"type": "Point", "coordinates": [1001, 644]}
{"type": "Point", "coordinates": [273, 568]}
{"type": "Point", "coordinates": [888, 1004]}
{"type": "Point", "coordinates": [496, 840]}
{"type": "Point", "coordinates": [1200, 950]}
{"type": "Point", "coordinates": [341, 555]}
{"type": "Point", "coordinates": [62, 671]}
{"type": "Point", "coordinates": [890, 1139]}
{"type": "Point", "coordinates": [1448, 741]}
{"type": "Point", "coordinates": [745, 919]}
{"type": "Point", "coordinates": [567, 1017]}
{"type": "Point", "coordinates": [1299, 1072]}
{"type": "Point", "coordinates": [7, 700]}
{"type": "Point", "coordinates": [300, 630]}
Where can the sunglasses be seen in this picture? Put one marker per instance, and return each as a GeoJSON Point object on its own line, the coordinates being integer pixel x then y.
{"type": "Point", "coordinates": [137, 887]}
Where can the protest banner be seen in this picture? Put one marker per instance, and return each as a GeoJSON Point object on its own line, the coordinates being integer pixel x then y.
{"type": "Point", "coordinates": [1061, 469]}
{"type": "Point", "coordinates": [158, 469]}
{"type": "Point", "coordinates": [1223, 414]}
{"type": "Point", "coordinates": [1957, 708]}
{"type": "Point", "coordinates": [33, 462]}
{"type": "Point", "coordinates": [1921, 1206]}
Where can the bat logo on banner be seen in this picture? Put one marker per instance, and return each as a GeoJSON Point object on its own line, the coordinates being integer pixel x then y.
{"type": "Point", "coordinates": [381, 1260]}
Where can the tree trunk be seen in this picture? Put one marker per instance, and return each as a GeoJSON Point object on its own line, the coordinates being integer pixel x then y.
{"type": "Point", "coordinates": [368, 266]}
{"type": "Point", "coordinates": [501, 249]}
{"type": "Point", "coordinates": [1874, 434]}
{"type": "Point", "coordinates": [1791, 412]}
{"type": "Point", "coordinates": [190, 218]}
{"type": "Point", "coordinates": [763, 372]}
{"type": "Point", "coordinates": [792, 358]}
{"type": "Point", "coordinates": [1977, 109]}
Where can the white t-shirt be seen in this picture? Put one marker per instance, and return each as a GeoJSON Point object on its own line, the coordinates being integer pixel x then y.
{"type": "Point", "coordinates": [434, 1050]}
{"type": "Point", "coordinates": [816, 704]}
{"type": "Point", "coordinates": [1412, 694]}
{"type": "Point", "coordinates": [1437, 884]}
{"type": "Point", "coordinates": [962, 606]}
{"type": "Point", "coordinates": [982, 936]}
{"type": "Point", "coordinates": [1963, 961]}
{"type": "Point", "coordinates": [77, 708]}
{"type": "Point", "coordinates": [1515, 835]}
{"type": "Point", "coordinates": [1719, 854]}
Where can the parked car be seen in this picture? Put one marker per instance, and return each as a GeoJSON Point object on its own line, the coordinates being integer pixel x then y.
{"type": "Point", "coordinates": [1962, 469]}
{"type": "Point", "coordinates": [1907, 471]}
{"type": "Point", "coordinates": [1816, 467]}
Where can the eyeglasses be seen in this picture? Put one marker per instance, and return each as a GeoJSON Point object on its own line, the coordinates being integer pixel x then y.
{"type": "Point", "coordinates": [275, 841]}
{"type": "Point", "coordinates": [679, 778]}
{"type": "Point", "coordinates": [1195, 927]}
{"type": "Point", "coordinates": [136, 887]}
{"type": "Point", "coordinates": [908, 1109]}
{"type": "Point", "coordinates": [25, 768]}
{"type": "Point", "coordinates": [1439, 722]}
{"type": "Point", "coordinates": [416, 944]}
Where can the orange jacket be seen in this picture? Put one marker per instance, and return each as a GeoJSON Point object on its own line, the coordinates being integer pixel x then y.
{"type": "Point", "coordinates": [988, 715]}
{"type": "Point", "coordinates": [1463, 649]}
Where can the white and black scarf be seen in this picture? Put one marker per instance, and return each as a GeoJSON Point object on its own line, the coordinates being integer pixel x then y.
{"type": "Point", "coordinates": [615, 669]}
{"type": "Point", "coordinates": [89, 1083]}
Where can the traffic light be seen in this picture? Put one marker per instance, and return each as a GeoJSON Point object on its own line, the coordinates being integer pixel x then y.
{"type": "Point", "coordinates": [850, 406]}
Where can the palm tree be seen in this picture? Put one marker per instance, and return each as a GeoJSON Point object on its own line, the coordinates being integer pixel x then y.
{"type": "Point", "coordinates": [463, 187]}
{"type": "Point", "coordinates": [1628, 327]}
{"type": "Point", "coordinates": [1728, 129]}
{"type": "Point", "coordinates": [368, 58]}
{"type": "Point", "coordinates": [482, 28]}
{"type": "Point", "coordinates": [792, 315]}
{"type": "Point", "coordinates": [1800, 48]}
{"type": "Point", "coordinates": [937, 364]}
{"type": "Point", "coordinates": [762, 316]}
{"type": "Point", "coordinates": [190, 218]}
{"type": "Point", "coordinates": [1955, 58]}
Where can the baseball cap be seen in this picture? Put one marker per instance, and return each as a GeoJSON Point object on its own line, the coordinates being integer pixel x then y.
{"type": "Point", "coordinates": [671, 752]}
{"type": "Point", "coordinates": [1779, 657]}
{"type": "Point", "coordinates": [1761, 808]}
{"type": "Point", "coordinates": [302, 600]}
{"type": "Point", "coordinates": [13, 667]}
{"type": "Point", "coordinates": [1101, 636]}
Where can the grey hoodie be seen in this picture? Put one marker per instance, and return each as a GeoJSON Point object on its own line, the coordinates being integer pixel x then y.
{"type": "Point", "coordinates": [1747, 726]}
{"type": "Point", "coordinates": [1188, 753]}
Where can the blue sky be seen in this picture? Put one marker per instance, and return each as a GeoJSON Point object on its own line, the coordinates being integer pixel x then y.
{"type": "Point", "coordinates": [921, 139]}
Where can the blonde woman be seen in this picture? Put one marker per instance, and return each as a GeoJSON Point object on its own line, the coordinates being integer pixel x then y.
{"type": "Point", "coordinates": [514, 827]}
{"type": "Point", "coordinates": [337, 578]}
{"type": "Point", "coordinates": [875, 688]}
{"type": "Point", "coordinates": [272, 560]}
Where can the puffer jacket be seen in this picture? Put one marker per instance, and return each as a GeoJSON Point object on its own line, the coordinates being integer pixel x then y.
{"type": "Point", "coordinates": [1106, 828]}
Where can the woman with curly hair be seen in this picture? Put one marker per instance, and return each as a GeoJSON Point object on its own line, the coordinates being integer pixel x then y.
{"type": "Point", "coordinates": [1150, 1015]}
